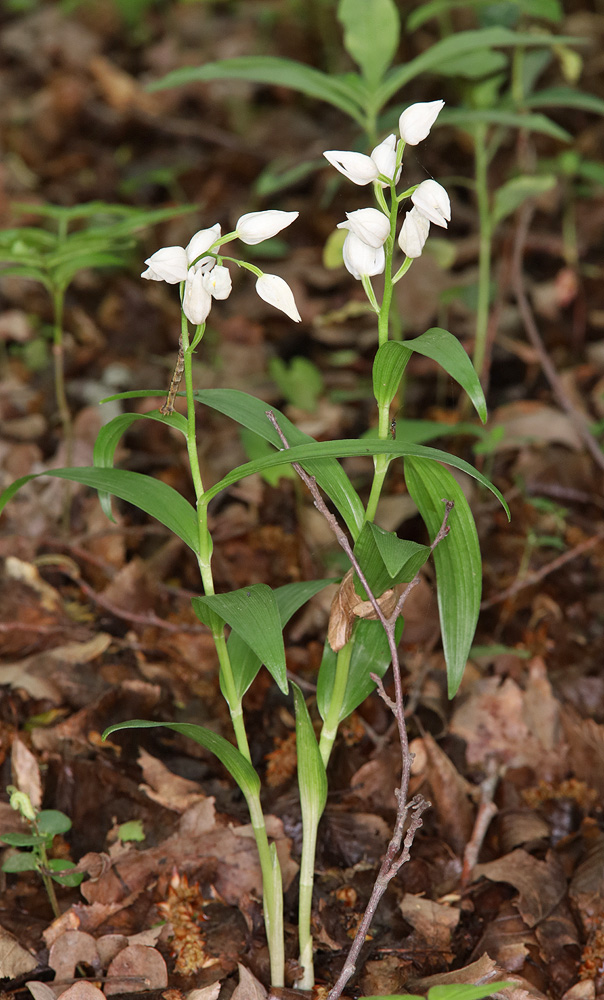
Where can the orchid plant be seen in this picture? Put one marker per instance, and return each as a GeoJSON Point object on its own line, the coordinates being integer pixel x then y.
{"type": "Point", "coordinates": [365, 624]}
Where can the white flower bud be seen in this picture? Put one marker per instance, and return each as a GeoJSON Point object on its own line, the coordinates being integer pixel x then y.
{"type": "Point", "coordinates": [277, 292]}
{"type": "Point", "coordinates": [414, 233]}
{"type": "Point", "coordinates": [370, 225]}
{"type": "Point", "coordinates": [433, 201]}
{"type": "Point", "coordinates": [357, 167]}
{"type": "Point", "coordinates": [361, 259]}
{"type": "Point", "coordinates": [415, 123]}
{"type": "Point", "coordinates": [218, 282]}
{"type": "Point", "coordinates": [168, 264]}
{"type": "Point", "coordinates": [258, 226]}
{"type": "Point", "coordinates": [197, 301]}
{"type": "Point", "coordinates": [201, 242]}
{"type": "Point", "coordinates": [384, 157]}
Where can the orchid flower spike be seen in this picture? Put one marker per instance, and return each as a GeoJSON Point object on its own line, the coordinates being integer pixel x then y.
{"type": "Point", "coordinates": [168, 264]}
{"type": "Point", "coordinates": [361, 259]}
{"type": "Point", "coordinates": [362, 169]}
{"type": "Point", "coordinates": [431, 199]}
{"type": "Point", "coordinates": [414, 233]}
{"type": "Point", "coordinates": [277, 292]}
{"type": "Point", "coordinates": [415, 123]}
{"type": "Point", "coordinates": [370, 225]}
{"type": "Point", "coordinates": [254, 227]}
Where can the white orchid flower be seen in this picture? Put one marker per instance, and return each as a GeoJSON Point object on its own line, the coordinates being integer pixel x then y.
{"type": "Point", "coordinates": [362, 169]}
{"type": "Point", "coordinates": [197, 301]}
{"type": "Point", "coordinates": [414, 233]}
{"type": "Point", "coordinates": [254, 227]}
{"type": "Point", "coordinates": [361, 259]}
{"type": "Point", "coordinates": [277, 292]}
{"type": "Point", "coordinates": [433, 201]}
{"type": "Point", "coordinates": [384, 157]}
{"type": "Point", "coordinates": [370, 225]}
{"type": "Point", "coordinates": [168, 264]}
{"type": "Point", "coordinates": [200, 243]}
{"type": "Point", "coordinates": [415, 123]}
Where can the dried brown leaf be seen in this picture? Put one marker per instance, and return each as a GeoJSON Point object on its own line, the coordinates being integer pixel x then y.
{"type": "Point", "coordinates": [136, 968]}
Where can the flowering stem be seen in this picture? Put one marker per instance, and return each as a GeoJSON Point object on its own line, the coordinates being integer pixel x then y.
{"type": "Point", "coordinates": [484, 253]}
{"type": "Point", "coordinates": [269, 863]}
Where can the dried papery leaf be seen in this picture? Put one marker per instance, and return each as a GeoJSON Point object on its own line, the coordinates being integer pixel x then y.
{"type": "Point", "coordinates": [341, 615]}
{"type": "Point", "coordinates": [15, 960]}
{"type": "Point", "coordinates": [248, 987]}
{"type": "Point", "coordinates": [82, 991]}
{"type": "Point", "coordinates": [135, 969]}
{"type": "Point", "coordinates": [70, 949]}
{"type": "Point", "coordinates": [206, 993]}
{"type": "Point", "coordinates": [41, 991]}
{"type": "Point", "coordinates": [450, 794]}
{"type": "Point", "coordinates": [540, 884]}
{"type": "Point", "coordinates": [432, 922]}
{"type": "Point", "coordinates": [26, 773]}
{"type": "Point", "coordinates": [165, 787]}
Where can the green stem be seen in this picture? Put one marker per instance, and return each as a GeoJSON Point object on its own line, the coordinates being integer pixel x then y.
{"type": "Point", "coordinates": [307, 873]}
{"type": "Point", "coordinates": [481, 163]}
{"type": "Point", "coordinates": [48, 883]}
{"type": "Point", "coordinates": [269, 863]}
{"type": "Point", "coordinates": [332, 721]}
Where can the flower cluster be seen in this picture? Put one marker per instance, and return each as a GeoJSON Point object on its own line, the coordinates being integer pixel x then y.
{"type": "Point", "coordinates": [369, 228]}
{"type": "Point", "coordinates": [197, 265]}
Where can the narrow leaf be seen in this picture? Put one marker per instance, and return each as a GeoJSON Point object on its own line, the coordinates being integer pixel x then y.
{"type": "Point", "coordinates": [244, 661]}
{"type": "Point", "coordinates": [252, 612]}
{"type": "Point", "coordinates": [272, 70]}
{"type": "Point", "coordinates": [371, 35]}
{"type": "Point", "coordinates": [531, 122]}
{"type": "Point", "coordinates": [514, 193]}
{"type": "Point", "coordinates": [370, 655]}
{"type": "Point", "coordinates": [312, 780]}
{"type": "Point", "coordinates": [388, 369]}
{"type": "Point", "coordinates": [236, 764]}
{"type": "Point", "coordinates": [151, 495]}
{"type": "Point", "coordinates": [456, 558]}
{"type": "Point", "coordinates": [442, 347]}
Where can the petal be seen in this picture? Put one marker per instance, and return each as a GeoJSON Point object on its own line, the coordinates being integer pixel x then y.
{"type": "Point", "coordinates": [384, 157]}
{"type": "Point", "coordinates": [431, 199]}
{"type": "Point", "coordinates": [258, 226]}
{"type": "Point", "coordinates": [415, 123]}
{"type": "Point", "coordinates": [361, 259]}
{"type": "Point", "coordinates": [168, 264]}
{"type": "Point", "coordinates": [277, 292]}
{"type": "Point", "coordinates": [370, 225]}
{"type": "Point", "coordinates": [218, 282]}
{"type": "Point", "coordinates": [201, 242]}
{"type": "Point", "coordinates": [357, 167]}
{"type": "Point", "coordinates": [414, 233]}
{"type": "Point", "coordinates": [197, 301]}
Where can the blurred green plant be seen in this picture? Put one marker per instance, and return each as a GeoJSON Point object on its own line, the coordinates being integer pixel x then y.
{"type": "Point", "coordinates": [33, 848]}
{"type": "Point", "coordinates": [90, 235]}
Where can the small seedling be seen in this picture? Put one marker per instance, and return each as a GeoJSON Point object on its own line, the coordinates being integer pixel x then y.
{"type": "Point", "coordinates": [33, 848]}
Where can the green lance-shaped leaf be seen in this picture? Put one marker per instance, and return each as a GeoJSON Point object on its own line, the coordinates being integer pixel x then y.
{"type": "Point", "coordinates": [565, 97]}
{"type": "Point", "coordinates": [151, 495]}
{"type": "Point", "coordinates": [271, 70]}
{"type": "Point", "coordinates": [386, 559]}
{"type": "Point", "coordinates": [370, 655]}
{"type": "Point", "coordinates": [312, 779]}
{"type": "Point", "coordinates": [236, 764]}
{"type": "Point", "coordinates": [250, 412]}
{"type": "Point", "coordinates": [437, 344]}
{"type": "Point", "coordinates": [449, 991]}
{"type": "Point", "coordinates": [514, 193]}
{"type": "Point", "coordinates": [110, 436]}
{"type": "Point", "coordinates": [459, 44]}
{"type": "Point", "coordinates": [244, 661]}
{"type": "Point", "coordinates": [467, 118]}
{"type": "Point", "coordinates": [371, 35]}
{"type": "Point", "coordinates": [252, 612]}
{"type": "Point", "coordinates": [456, 558]}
